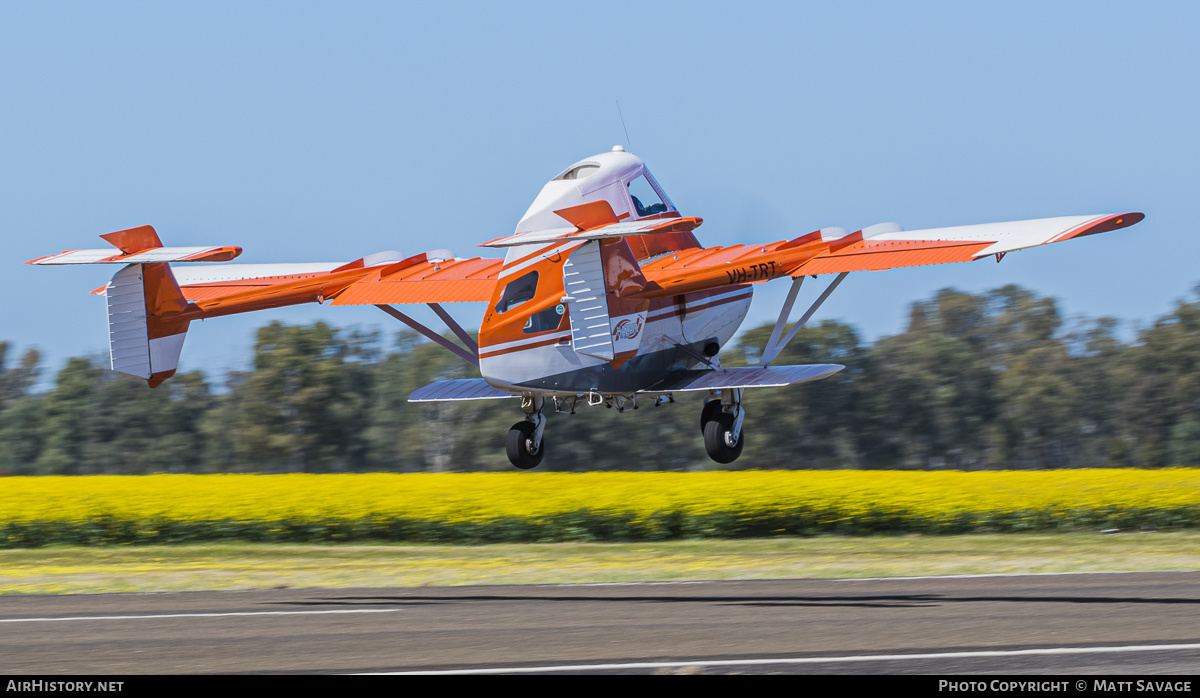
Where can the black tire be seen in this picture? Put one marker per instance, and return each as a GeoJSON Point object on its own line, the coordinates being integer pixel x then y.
{"type": "Point", "coordinates": [519, 444]}
{"type": "Point", "coordinates": [714, 439]}
{"type": "Point", "coordinates": [711, 409]}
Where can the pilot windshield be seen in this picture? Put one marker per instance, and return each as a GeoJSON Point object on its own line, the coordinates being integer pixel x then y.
{"type": "Point", "coordinates": [646, 200]}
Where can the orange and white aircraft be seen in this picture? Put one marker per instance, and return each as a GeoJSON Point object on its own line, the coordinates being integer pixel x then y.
{"type": "Point", "coordinates": [604, 295]}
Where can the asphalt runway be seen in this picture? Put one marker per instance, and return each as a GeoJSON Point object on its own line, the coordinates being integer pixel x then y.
{"type": "Point", "coordinates": [1134, 624]}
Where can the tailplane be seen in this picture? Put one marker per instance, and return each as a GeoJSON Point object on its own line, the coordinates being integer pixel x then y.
{"type": "Point", "coordinates": [145, 330]}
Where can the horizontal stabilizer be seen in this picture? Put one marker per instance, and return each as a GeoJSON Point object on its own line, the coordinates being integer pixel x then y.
{"type": "Point", "coordinates": [461, 389]}
{"type": "Point", "coordinates": [613, 230]}
{"type": "Point", "coordinates": [157, 254]}
{"type": "Point", "coordinates": [725, 378]}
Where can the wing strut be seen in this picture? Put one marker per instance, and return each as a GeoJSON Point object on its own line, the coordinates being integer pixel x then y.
{"type": "Point", "coordinates": [774, 345]}
{"type": "Point", "coordinates": [471, 356]}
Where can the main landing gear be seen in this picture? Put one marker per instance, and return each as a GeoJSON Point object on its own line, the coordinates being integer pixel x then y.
{"type": "Point", "coordinates": [721, 423]}
{"type": "Point", "coordinates": [525, 445]}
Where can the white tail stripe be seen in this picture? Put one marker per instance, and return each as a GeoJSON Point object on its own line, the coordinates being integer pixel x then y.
{"type": "Point", "coordinates": [164, 352]}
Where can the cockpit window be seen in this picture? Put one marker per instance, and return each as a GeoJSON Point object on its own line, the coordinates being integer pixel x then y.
{"type": "Point", "coordinates": [585, 170]}
{"type": "Point", "coordinates": [645, 199]}
{"type": "Point", "coordinates": [518, 292]}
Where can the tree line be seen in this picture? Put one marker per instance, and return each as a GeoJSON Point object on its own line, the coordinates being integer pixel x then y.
{"type": "Point", "coordinates": [976, 381]}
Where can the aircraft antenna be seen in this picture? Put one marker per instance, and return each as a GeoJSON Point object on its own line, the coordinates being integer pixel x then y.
{"type": "Point", "coordinates": [627, 142]}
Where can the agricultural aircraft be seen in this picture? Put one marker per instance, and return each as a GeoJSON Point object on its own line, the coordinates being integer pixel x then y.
{"type": "Point", "coordinates": [604, 296]}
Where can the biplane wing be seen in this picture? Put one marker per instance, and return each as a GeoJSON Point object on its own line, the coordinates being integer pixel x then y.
{"type": "Point", "coordinates": [419, 279]}
{"type": "Point", "coordinates": [603, 291]}
{"type": "Point", "coordinates": [458, 389]}
{"type": "Point", "coordinates": [742, 377]}
{"type": "Point", "coordinates": [425, 281]}
{"type": "Point", "coordinates": [883, 246]}
{"type": "Point", "coordinates": [379, 279]}
{"type": "Point", "coordinates": [676, 382]}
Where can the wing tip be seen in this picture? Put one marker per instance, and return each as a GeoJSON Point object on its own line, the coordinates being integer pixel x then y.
{"type": "Point", "coordinates": [1106, 224]}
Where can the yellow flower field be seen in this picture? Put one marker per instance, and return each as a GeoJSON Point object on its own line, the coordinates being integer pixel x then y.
{"type": "Point", "coordinates": [36, 510]}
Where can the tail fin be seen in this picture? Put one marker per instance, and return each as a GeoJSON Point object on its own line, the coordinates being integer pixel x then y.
{"type": "Point", "coordinates": [143, 341]}
{"type": "Point", "coordinates": [145, 333]}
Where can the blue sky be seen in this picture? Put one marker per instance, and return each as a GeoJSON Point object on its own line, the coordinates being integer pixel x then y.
{"type": "Point", "coordinates": [327, 131]}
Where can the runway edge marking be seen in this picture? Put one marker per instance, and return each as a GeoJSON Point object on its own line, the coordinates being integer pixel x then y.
{"type": "Point", "coordinates": [998, 574]}
{"type": "Point", "coordinates": [801, 660]}
{"type": "Point", "coordinates": [200, 615]}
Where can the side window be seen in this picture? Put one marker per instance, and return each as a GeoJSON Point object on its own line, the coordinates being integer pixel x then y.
{"type": "Point", "coordinates": [546, 320]}
{"type": "Point", "coordinates": [581, 172]}
{"type": "Point", "coordinates": [517, 292]}
{"type": "Point", "coordinates": [645, 199]}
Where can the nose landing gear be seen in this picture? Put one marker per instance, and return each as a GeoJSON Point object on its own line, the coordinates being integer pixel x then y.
{"type": "Point", "coordinates": [721, 422]}
{"type": "Point", "coordinates": [525, 446]}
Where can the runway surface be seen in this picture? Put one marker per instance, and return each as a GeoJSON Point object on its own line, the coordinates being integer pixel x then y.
{"type": "Point", "coordinates": [1139, 623]}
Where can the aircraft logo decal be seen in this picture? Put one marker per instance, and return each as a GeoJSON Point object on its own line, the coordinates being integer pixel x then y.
{"type": "Point", "coordinates": [627, 329]}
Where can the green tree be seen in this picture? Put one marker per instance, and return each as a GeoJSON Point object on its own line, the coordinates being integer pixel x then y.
{"type": "Point", "coordinates": [63, 418]}
{"type": "Point", "coordinates": [299, 410]}
{"type": "Point", "coordinates": [930, 398]}
{"type": "Point", "coordinates": [812, 425]}
{"type": "Point", "coordinates": [1162, 383]}
{"type": "Point", "coordinates": [20, 412]}
{"type": "Point", "coordinates": [1040, 419]}
{"type": "Point", "coordinates": [133, 428]}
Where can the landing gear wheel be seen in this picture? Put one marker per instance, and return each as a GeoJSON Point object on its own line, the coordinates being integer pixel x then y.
{"type": "Point", "coordinates": [717, 434]}
{"type": "Point", "coordinates": [712, 408]}
{"type": "Point", "coordinates": [520, 446]}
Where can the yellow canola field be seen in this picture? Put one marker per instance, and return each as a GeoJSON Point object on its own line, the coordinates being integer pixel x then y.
{"type": "Point", "coordinates": [465, 497]}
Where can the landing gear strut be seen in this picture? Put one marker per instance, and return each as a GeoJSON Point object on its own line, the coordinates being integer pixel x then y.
{"type": "Point", "coordinates": [721, 423]}
{"type": "Point", "coordinates": [525, 446]}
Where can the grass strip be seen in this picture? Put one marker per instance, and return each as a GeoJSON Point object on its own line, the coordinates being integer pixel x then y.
{"type": "Point", "coordinates": [73, 569]}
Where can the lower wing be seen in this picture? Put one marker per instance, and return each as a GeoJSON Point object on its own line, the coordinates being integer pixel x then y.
{"type": "Point", "coordinates": [675, 382]}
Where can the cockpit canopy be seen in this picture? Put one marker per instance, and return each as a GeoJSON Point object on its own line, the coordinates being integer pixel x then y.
{"type": "Point", "coordinates": [618, 177]}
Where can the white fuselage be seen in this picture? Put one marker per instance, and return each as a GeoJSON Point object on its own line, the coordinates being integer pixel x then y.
{"type": "Point", "coordinates": [548, 365]}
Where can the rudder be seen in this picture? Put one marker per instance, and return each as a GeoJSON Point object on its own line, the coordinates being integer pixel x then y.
{"type": "Point", "coordinates": [143, 339]}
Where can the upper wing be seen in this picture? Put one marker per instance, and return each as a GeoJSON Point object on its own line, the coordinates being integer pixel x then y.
{"type": "Point", "coordinates": [887, 250]}
{"type": "Point", "coordinates": [430, 277]}
{"type": "Point", "coordinates": [425, 281]}
{"type": "Point", "coordinates": [884, 246]}
{"type": "Point", "coordinates": [206, 283]}
{"type": "Point", "coordinates": [424, 278]}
